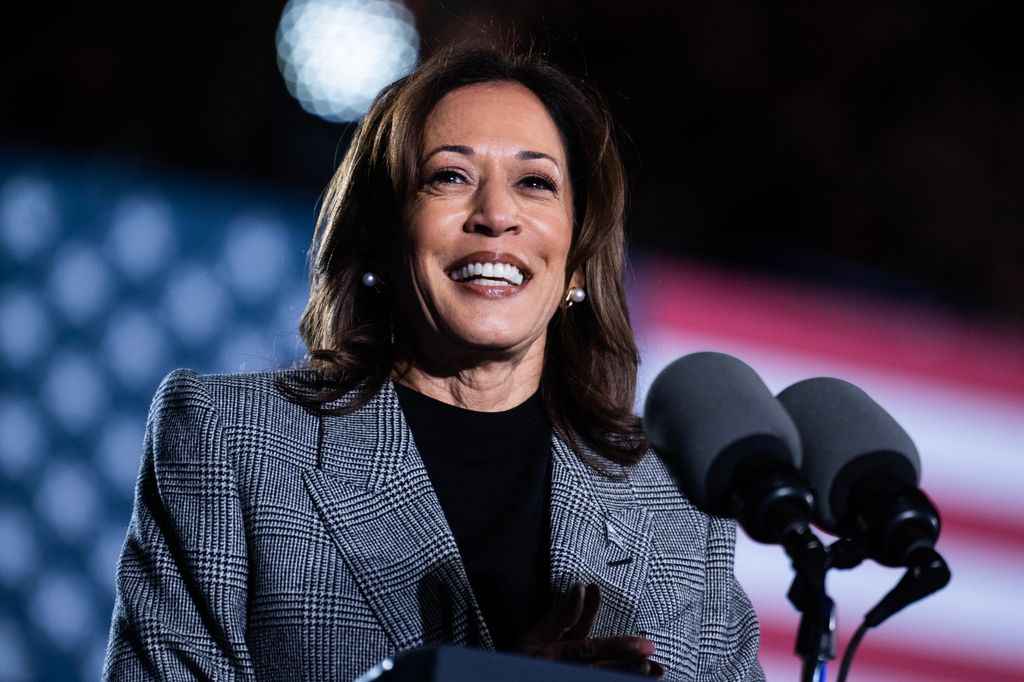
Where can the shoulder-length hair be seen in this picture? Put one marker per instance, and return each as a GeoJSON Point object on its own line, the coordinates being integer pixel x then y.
{"type": "Point", "coordinates": [589, 378]}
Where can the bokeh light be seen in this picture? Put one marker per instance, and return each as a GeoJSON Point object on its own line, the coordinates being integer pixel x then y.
{"type": "Point", "coordinates": [141, 235]}
{"type": "Point", "coordinates": [99, 298]}
{"type": "Point", "coordinates": [336, 55]}
{"type": "Point", "coordinates": [28, 215]}
{"type": "Point", "coordinates": [23, 436]}
{"type": "Point", "coordinates": [25, 331]}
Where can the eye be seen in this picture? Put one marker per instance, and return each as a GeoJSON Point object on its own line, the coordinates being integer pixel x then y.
{"type": "Point", "coordinates": [539, 182]}
{"type": "Point", "coordinates": [446, 176]}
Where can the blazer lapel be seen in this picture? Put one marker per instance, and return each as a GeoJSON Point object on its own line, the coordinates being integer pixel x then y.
{"type": "Point", "coordinates": [598, 534]}
{"type": "Point", "coordinates": [376, 500]}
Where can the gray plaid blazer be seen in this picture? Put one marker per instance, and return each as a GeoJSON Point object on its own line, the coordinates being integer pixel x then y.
{"type": "Point", "coordinates": [271, 543]}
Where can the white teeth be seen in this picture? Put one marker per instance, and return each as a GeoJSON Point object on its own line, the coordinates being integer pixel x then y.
{"type": "Point", "coordinates": [488, 274]}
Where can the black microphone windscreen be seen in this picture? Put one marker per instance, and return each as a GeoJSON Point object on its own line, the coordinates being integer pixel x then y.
{"type": "Point", "coordinates": [846, 438]}
{"type": "Point", "coordinates": [708, 413]}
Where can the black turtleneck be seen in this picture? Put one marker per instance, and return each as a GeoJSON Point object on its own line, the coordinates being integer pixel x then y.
{"type": "Point", "coordinates": [491, 472]}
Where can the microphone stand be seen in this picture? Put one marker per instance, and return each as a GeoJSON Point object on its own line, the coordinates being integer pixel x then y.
{"type": "Point", "coordinates": [774, 506]}
{"type": "Point", "coordinates": [927, 573]}
{"type": "Point", "coordinates": [816, 636]}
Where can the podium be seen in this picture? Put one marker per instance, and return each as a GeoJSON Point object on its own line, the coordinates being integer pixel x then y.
{"type": "Point", "coordinates": [457, 664]}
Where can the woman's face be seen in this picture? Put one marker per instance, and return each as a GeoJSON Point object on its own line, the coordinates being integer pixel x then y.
{"type": "Point", "coordinates": [488, 230]}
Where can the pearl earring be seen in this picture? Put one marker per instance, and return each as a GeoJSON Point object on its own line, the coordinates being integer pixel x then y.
{"type": "Point", "coordinates": [575, 295]}
{"type": "Point", "coordinates": [370, 279]}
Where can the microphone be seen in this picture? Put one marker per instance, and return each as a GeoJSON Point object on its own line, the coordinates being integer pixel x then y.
{"type": "Point", "coordinates": [729, 444]}
{"type": "Point", "coordinates": [735, 451]}
{"type": "Point", "coordinates": [863, 469]}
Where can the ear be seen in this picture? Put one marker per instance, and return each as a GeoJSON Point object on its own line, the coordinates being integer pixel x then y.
{"type": "Point", "coordinates": [578, 280]}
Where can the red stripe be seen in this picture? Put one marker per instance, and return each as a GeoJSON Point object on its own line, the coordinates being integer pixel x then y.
{"type": "Point", "coordinates": [973, 527]}
{"type": "Point", "coordinates": [837, 324]}
{"type": "Point", "coordinates": [948, 660]}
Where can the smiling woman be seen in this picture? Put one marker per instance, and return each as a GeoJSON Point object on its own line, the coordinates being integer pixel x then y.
{"type": "Point", "coordinates": [412, 165]}
{"type": "Point", "coordinates": [496, 195]}
{"type": "Point", "coordinates": [458, 461]}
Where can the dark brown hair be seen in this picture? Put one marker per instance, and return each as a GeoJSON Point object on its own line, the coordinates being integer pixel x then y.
{"type": "Point", "coordinates": [589, 377]}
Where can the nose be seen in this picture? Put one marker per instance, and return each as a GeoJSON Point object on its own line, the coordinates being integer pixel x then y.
{"type": "Point", "coordinates": [495, 211]}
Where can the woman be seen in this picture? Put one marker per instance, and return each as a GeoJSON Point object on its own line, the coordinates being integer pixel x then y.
{"type": "Point", "coordinates": [461, 463]}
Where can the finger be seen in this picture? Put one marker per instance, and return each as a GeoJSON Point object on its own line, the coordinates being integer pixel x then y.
{"type": "Point", "coordinates": [563, 617]}
{"type": "Point", "coordinates": [588, 613]}
{"type": "Point", "coordinates": [605, 648]}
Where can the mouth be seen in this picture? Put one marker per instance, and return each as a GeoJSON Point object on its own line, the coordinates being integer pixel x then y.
{"type": "Point", "coordinates": [489, 270]}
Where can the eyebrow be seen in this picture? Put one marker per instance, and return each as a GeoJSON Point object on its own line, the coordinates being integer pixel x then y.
{"type": "Point", "coordinates": [456, 148]}
{"type": "Point", "coordinates": [528, 155]}
{"type": "Point", "coordinates": [525, 155]}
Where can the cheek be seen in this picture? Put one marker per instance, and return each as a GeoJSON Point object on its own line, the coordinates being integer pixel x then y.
{"type": "Point", "coordinates": [431, 229]}
{"type": "Point", "coordinates": [418, 243]}
{"type": "Point", "coordinates": [563, 249]}
{"type": "Point", "coordinates": [416, 239]}
{"type": "Point", "coordinates": [564, 232]}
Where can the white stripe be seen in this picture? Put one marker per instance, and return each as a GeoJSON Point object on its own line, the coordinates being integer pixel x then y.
{"type": "Point", "coordinates": [972, 450]}
{"type": "Point", "coordinates": [971, 443]}
{"type": "Point", "coordinates": [980, 612]}
{"type": "Point", "coordinates": [778, 666]}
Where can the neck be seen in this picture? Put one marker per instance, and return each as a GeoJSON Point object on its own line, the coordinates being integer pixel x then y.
{"type": "Point", "coordinates": [484, 386]}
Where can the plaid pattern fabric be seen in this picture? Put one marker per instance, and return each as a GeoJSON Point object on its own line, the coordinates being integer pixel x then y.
{"type": "Point", "coordinates": [267, 542]}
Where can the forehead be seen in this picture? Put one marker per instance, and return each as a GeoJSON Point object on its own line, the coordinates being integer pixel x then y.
{"type": "Point", "coordinates": [498, 116]}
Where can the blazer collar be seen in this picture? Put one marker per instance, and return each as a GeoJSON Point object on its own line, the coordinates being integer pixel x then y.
{"type": "Point", "coordinates": [374, 495]}
{"type": "Point", "coordinates": [598, 534]}
{"type": "Point", "coordinates": [375, 498]}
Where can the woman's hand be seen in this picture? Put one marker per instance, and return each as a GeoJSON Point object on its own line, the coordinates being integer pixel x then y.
{"type": "Point", "coordinates": [562, 635]}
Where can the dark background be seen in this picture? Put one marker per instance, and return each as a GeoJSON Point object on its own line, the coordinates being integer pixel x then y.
{"type": "Point", "coordinates": [875, 144]}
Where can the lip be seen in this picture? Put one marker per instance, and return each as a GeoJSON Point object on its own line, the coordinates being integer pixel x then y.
{"type": "Point", "coordinates": [492, 257]}
{"type": "Point", "coordinates": [482, 291]}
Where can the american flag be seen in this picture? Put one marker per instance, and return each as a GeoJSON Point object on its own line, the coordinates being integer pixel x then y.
{"type": "Point", "coordinates": [956, 386]}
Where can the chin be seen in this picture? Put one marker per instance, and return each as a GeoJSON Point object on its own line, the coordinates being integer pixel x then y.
{"type": "Point", "coordinates": [491, 339]}
{"type": "Point", "coordinates": [490, 343]}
